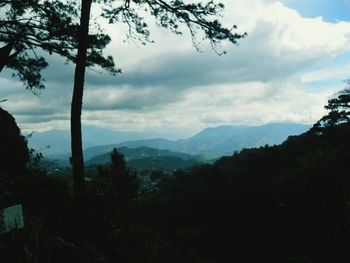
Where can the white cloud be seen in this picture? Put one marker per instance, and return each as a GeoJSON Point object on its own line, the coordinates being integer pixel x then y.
{"type": "Point", "coordinates": [327, 73]}
{"type": "Point", "coordinates": [247, 103]}
{"type": "Point", "coordinates": [168, 85]}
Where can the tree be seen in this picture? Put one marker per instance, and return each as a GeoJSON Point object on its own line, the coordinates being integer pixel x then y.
{"type": "Point", "coordinates": [28, 26]}
{"type": "Point", "coordinates": [116, 181]}
{"type": "Point", "coordinates": [52, 26]}
{"type": "Point", "coordinates": [197, 17]}
{"type": "Point", "coordinates": [339, 111]}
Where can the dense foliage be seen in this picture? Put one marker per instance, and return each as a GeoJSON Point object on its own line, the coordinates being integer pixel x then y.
{"type": "Point", "coordinates": [338, 108]}
{"type": "Point", "coordinates": [14, 155]}
{"type": "Point", "coordinates": [275, 203]}
{"type": "Point", "coordinates": [28, 27]}
{"type": "Point", "coordinates": [283, 204]}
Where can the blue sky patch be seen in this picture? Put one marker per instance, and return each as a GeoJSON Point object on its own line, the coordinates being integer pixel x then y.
{"type": "Point", "coordinates": [330, 10]}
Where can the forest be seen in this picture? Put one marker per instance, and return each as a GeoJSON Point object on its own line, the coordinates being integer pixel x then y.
{"type": "Point", "coordinates": [286, 203]}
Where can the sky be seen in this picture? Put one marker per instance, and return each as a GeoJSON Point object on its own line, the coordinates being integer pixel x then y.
{"type": "Point", "coordinates": [295, 57]}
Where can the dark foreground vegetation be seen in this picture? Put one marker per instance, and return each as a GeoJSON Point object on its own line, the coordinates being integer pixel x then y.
{"type": "Point", "coordinates": [287, 204]}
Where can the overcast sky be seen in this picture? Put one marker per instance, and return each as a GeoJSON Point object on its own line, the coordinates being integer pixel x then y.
{"type": "Point", "coordinates": [296, 55]}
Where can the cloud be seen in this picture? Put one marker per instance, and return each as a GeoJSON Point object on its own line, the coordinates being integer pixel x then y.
{"type": "Point", "coordinates": [280, 43]}
{"type": "Point", "coordinates": [125, 98]}
{"type": "Point", "coordinates": [327, 73]}
{"type": "Point", "coordinates": [254, 103]}
{"type": "Point", "coordinates": [248, 103]}
{"type": "Point", "coordinates": [168, 85]}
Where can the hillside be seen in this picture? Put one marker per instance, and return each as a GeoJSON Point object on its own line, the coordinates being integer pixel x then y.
{"type": "Point", "coordinates": [145, 160]}
{"type": "Point", "coordinates": [166, 164]}
{"type": "Point", "coordinates": [286, 203]}
{"type": "Point", "coordinates": [139, 153]}
{"type": "Point", "coordinates": [161, 144]}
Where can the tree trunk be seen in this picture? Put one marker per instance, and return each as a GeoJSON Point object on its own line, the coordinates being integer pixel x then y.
{"type": "Point", "coordinates": [77, 159]}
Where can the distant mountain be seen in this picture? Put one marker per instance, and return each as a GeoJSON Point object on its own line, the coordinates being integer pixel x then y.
{"type": "Point", "coordinates": [56, 143]}
{"type": "Point", "coordinates": [211, 137]}
{"type": "Point", "coordinates": [210, 142]}
{"type": "Point", "coordinates": [138, 153]}
{"type": "Point", "coordinates": [157, 143]}
{"type": "Point", "coordinates": [161, 144]}
{"type": "Point", "coordinates": [215, 142]}
{"type": "Point", "coordinates": [205, 141]}
{"type": "Point", "coordinates": [250, 137]}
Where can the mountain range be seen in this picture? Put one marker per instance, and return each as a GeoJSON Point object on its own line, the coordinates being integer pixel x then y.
{"type": "Point", "coordinates": [213, 142]}
{"type": "Point", "coordinates": [209, 143]}
{"type": "Point", "coordinates": [55, 144]}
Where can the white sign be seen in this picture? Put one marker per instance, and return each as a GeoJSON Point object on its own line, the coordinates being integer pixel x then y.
{"type": "Point", "coordinates": [12, 218]}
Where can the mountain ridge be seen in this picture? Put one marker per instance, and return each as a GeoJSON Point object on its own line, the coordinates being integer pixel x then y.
{"type": "Point", "coordinates": [211, 142]}
{"type": "Point", "coordinates": [139, 153]}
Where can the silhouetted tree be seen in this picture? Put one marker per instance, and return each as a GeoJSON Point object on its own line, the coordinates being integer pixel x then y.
{"type": "Point", "coordinates": [84, 43]}
{"type": "Point", "coordinates": [339, 111]}
{"type": "Point", "coordinates": [116, 181]}
{"type": "Point", "coordinates": [197, 17]}
{"type": "Point", "coordinates": [125, 182]}
{"type": "Point", "coordinates": [28, 26]}
{"type": "Point", "coordinates": [52, 26]}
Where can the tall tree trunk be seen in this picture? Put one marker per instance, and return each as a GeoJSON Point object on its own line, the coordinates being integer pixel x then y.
{"type": "Point", "coordinates": [77, 160]}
